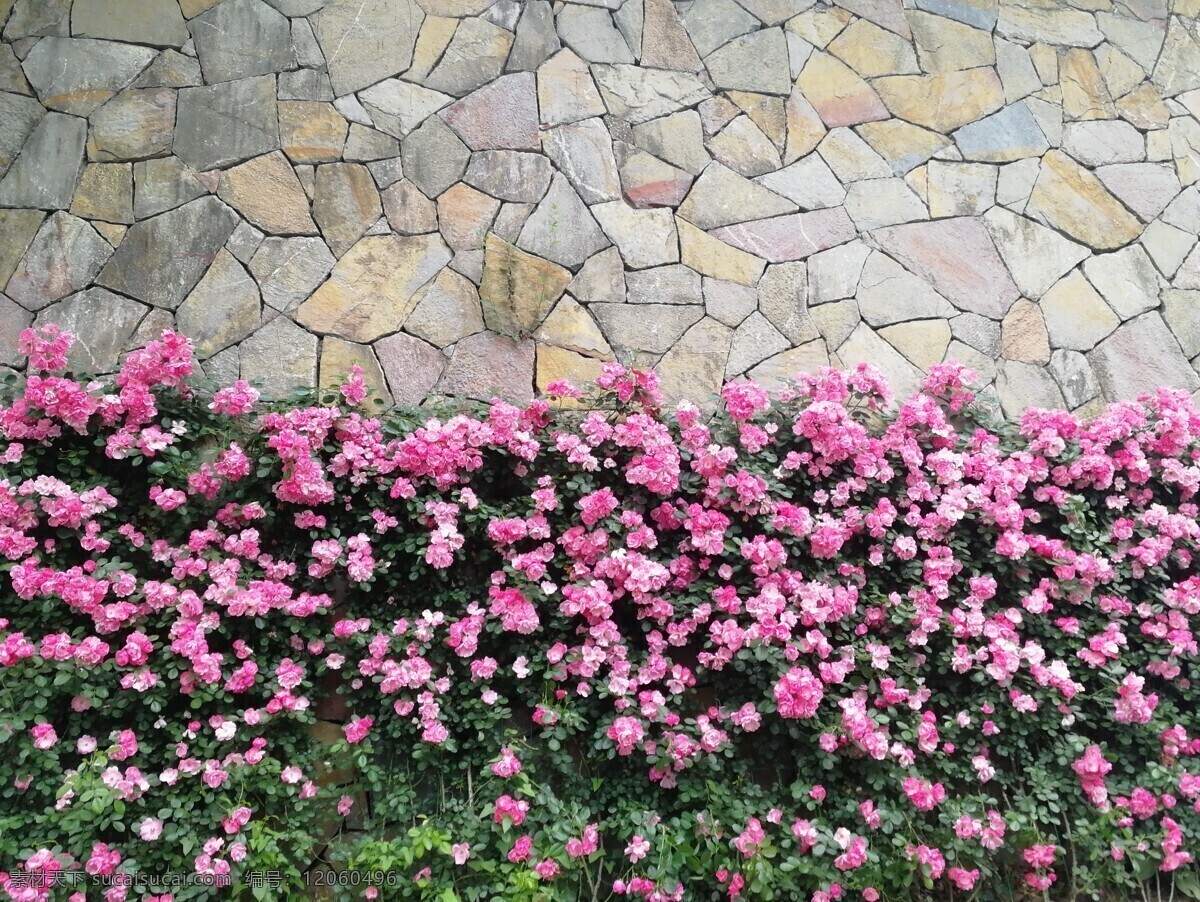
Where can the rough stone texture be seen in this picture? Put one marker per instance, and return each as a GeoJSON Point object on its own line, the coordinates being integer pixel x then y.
{"type": "Point", "coordinates": [372, 288]}
{"type": "Point", "coordinates": [721, 187]}
{"type": "Point", "coordinates": [161, 259]}
{"type": "Point", "coordinates": [104, 323]}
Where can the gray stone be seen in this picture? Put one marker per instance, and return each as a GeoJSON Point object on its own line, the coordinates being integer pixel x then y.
{"type": "Point", "coordinates": [1184, 211]}
{"type": "Point", "coordinates": [887, 294]}
{"type": "Point", "coordinates": [836, 321]}
{"type": "Point", "coordinates": [639, 95]}
{"type": "Point", "coordinates": [665, 44]}
{"type": "Point", "coordinates": [170, 69]}
{"type": "Point", "coordinates": [694, 368]}
{"type": "Point", "coordinates": [1016, 71]}
{"type": "Point", "coordinates": [1140, 357]}
{"type": "Point", "coordinates": [434, 157]}
{"type": "Point", "coordinates": [808, 182]}
{"type": "Point", "coordinates": [866, 346]}
{"type": "Point", "coordinates": [1076, 316]}
{"type": "Point", "coordinates": [1126, 279]}
{"type": "Point", "coordinates": [1181, 310]}
{"type": "Point", "coordinates": [674, 284]}
{"type": "Point", "coordinates": [102, 323]}
{"type": "Point", "coordinates": [721, 197]}
{"type": "Point", "coordinates": [11, 77]}
{"type": "Point", "coordinates": [1051, 25]}
{"type": "Point", "coordinates": [851, 158]}
{"type": "Point", "coordinates": [754, 62]}
{"type": "Point", "coordinates": [1167, 246]}
{"type": "Point", "coordinates": [14, 319]}
{"type": "Point", "coordinates": [281, 357]}
{"type": "Point", "coordinates": [63, 257]}
{"type": "Point", "coordinates": [1023, 385]}
{"type": "Point", "coordinates": [222, 309]}
{"type": "Point", "coordinates": [883, 202]}
{"type": "Point", "coordinates": [367, 40]}
{"type": "Point", "coordinates": [753, 342]}
{"type": "Point", "coordinates": [1075, 377]}
{"type": "Point", "coordinates": [678, 139]}
{"type": "Point", "coordinates": [714, 23]}
{"type": "Point", "coordinates": [1011, 134]}
{"type": "Point", "coordinates": [777, 372]}
{"type": "Point", "coordinates": [224, 368]}
{"type": "Point", "coordinates": [500, 115]}
{"type": "Point", "coordinates": [296, 8]}
{"type": "Point", "coordinates": [306, 48]}
{"type": "Point", "coordinates": [345, 204]}
{"type": "Point", "coordinates": [1015, 182]}
{"type": "Point", "coordinates": [305, 84]}
{"type": "Point", "coordinates": [957, 258]}
{"type": "Point", "coordinates": [583, 152]}
{"type": "Point", "coordinates": [510, 220]}
{"type": "Point", "coordinates": [1036, 256]}
{"type": "Point", "coordinates": [408, 210]}
{"type": "Point", "coordinates": [19, 116]}
{"type": "Point", "coordinates": [1178, 67]}
{"type": "Point", "coordinates": [156, 22]}
{"type": "Point", "coordinates": [566, 91]}
{"type": "Point", "coordinates": [1145, 188]}
{"type": "Point", "coordinates": [978, 332]}
{"type": "Point", "coordinates": [475, 57]}
{"type": "Point", "coordinates": [241, 38]}
{"type": "Point", "coordinates": [645, 238]}
{"type": "Point", "coordinates": [652, 328]}
{"type": "Point", "coordinates": [397, 107]}
{"type": "Point", "coordinates": [729, 302]}
{"type": "Point", "coordinates": [783, 300]}
{"type": "Point", "coordinates": [244, 242]}
{"type": "Point", "coordinates": [447, 310]}
{"type": "Point", "coordinates": [288, 270]}
{"type": "Point", "coordinates": [601, 280]}
{"type": "Point", "coordinates": [37, 17]}
{"type": "Point", "coordinates": [76, 75]}
{"type": "Point", "coordinates": [960, 189]}
{"type": "Point", "coordinates": [510, 175]}
{"type": "Point", "coordinates": [17, 230]}
{"type": "Point", "coordinates": [1100, 142]}
{"type": "Point", "coordinates": [134, 125]}
{"type": "Point", "coordinates": [224, 124]}
{"type": "Point", "coordinates": [161, 259]}
{"type": "Point", "coordinates": [45, 173]}
{"type": "Point", "coordinates": [163, 184]}
{"type": "Point", "coordinates": [1140, 40]}
{"type": "Point", "coordinates": [562, 229]}
{"type": "Point", "coordinates": [536, 39]}
{"type": "Point", "coordinates": [412, 367]}
{"type": "Point", "coordinates": [488, 365]}
{"type": "Point", "coordinates": [744, 148]}
{"type": "Point", "coordinates": [834, 274]}
{"type": "Point", "coordinates": [591, 33]}
{"type": "Point", "coordinates": [630, 18]}
{"type": "Point", "coordinates": [386, 172]}
{"type": "Point", "coordinates": [365, 144]}
{"type": "Point", "coordinates": [350, 107]}
{"type": "Point", "coordinates": [794, 237]}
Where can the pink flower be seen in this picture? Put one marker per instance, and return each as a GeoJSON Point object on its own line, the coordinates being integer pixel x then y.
{"type": "Point", "coordinates": [798, 693]}
{"type": "Point", "coordinates": [291, 774]}
{"type": "Point", "coordinates": [637, 848]}
{"type": "Point", "coordinates": [44, 736]}
{"type": "Point", "coordinates": [521, 849]}
{"type": "Point", "coordinates": [461, 852]}
{"type": "Point", "coordinates": [508, 765]}
{"type": "Point", "coordinates": [357, 729]}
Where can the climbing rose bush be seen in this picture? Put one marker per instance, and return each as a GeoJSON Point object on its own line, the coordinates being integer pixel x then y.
{"type": "Point", "coordinates": [817, 646]}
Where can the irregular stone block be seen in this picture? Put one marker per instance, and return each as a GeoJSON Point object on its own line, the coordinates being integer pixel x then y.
{"type": "Point", "coordinates": [793, 237]}
{"type": "Point", "coordinates": [136, 124]}
{"type": "Point", "coordinates": [102, 323]}
{"type": "Point", "coordinates": [76, 75]}
{"type": "Point", "coordinates": [518, 289]}
{"type": "Point", "coordinates": [222, 309]}
{"type": "Point", "coordinates": [1138, 358]}
{"type": "Point", "coordinates": [155, 22]}
{"type": "Point", "coordinates": [224, 124]}
{"type": "Point", "coordinates": [360, 56]}
{"type": "Point", "coordinates": [345, 204]}
{"type": "Point", "coordinates": [488, 365]}
{"type": "Point", "coordinates": [239, 39]}
{"type": "Point", "coordinates": [44, 175]}
{"type": "Point", "coordinates": [500, 115]}
{"type": "Point", "coordinates": [281, 357]}
{"type": "Point", "coordinates": [63, 258]}
{"type": "Point", "coordinates": [288, 270]}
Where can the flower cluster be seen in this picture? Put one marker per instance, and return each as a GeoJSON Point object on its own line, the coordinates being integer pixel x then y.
{"type": "Point", "coordinates": [819, 646]}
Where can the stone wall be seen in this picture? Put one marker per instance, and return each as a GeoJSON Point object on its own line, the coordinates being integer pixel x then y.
{"type": "Point", "coordinates": [479, 196]}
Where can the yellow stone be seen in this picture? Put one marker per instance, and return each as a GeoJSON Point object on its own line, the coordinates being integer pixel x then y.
{"type": "Point", "coordinates": [434, 38]}
{"type": "Point", "coordinates": [1083, 93]}
{"type": "Point", "coordinates": [570, 326]}
{"type": "Point", "coordinates": [804, 127]}
{"type": "Point", "coordinates": [944, 45]}
{"type": "Point", "coordinates": [819, 26]}
{"type": "Point", "coordinates": [518, 288]}
{"type": "Point", "coordinates": [311, 131]}
{"type": "Point", "coordinates": [903, 145]}
{"type": "Point", "coordinates": [105, 192]}
{"type": "Point", "coordinates": [374, 287]}
{"type": "Point", "coordinates": [266, 191]}
{"type": "Point", "coordinates": [113, 234]}
{"type": "Point", "coordinates": [1045, 61]}
{"type": "Point", "coordinates": [1076, 315]}
{"type": "Point", "coordinates": [923, 342]}
{"type": "Point", "coordinates": [839, 95]}
{"type": "Point", "coordinates": [337, 357]}
{"type": "Point", "coordinates": [767, 112]}
{"type": "Point", "coordinates": [1023, 335]}
{"type": "Point", "coordinates": [1144, 108]}
{"type": "Point", "coordinates": [465, 215]}
{"type": "Point", "coordinates": [872, 51]}
{"type": "Point", "coordinates": [710, 256]}
{"type": "Point", "coordinates": [694, 368]}
{"type": "Point", "coordinates": [555, 364]}
{"type": "Point", "coordinates": [943, 101]}
{"type": "Point", "coordinates": [1072, 200]}
{"type": "Point", "coordinates": [775, 372]}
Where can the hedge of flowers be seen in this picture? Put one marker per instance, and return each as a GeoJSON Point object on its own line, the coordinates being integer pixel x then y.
{"type": "Point", "coordinates": [815, 647]}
